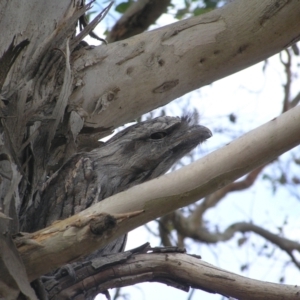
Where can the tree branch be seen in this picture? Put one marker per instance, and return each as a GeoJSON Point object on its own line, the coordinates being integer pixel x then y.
{"type": "Point", "coordinates": [175, 269]}
{"type": "Point", "coordinates": [179, 58]}
{"type": "Point", "coordinates": [287, 85]}
{"type": "Point", "coordinates": [203, 235]}
{"type": "Point", "coordinates": [67, 240]}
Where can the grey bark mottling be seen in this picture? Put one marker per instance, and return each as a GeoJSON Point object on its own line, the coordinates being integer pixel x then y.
{"type": "Point", "coordinates": [138, 153]}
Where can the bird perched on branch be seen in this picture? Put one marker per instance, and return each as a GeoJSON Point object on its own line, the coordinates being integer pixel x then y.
{"type": "Point", "coordinates": [138, 153]}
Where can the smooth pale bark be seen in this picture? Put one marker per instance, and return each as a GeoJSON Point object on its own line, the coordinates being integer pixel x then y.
{"type": "Point", "coordinates": [66, 240]}
{"type": "Point", "coordinates": [120, 81]}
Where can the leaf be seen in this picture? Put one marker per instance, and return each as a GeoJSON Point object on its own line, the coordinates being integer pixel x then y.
{"type": "Point", "coordinates": [282, 180]}
{"type": "Point", "coordinates": [200, 10]}
{"type": "Point", "coordinates": [122, 7]}
{"type": "Point", "coordinates": [244, 267]}
{"type": "Point", "coordinates": [181, 13]}
{"type": "Point", "coordinates": [212, 4]}
{"type": "Point", "coordinates": [242, 241]}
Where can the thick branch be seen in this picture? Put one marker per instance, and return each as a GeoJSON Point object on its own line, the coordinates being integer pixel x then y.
{"type": "Point", "coordinates": [181, 271]}
{"type": "Point", "coordinates": [179, 58]}
{"type": "Point", "coordinates": [65, 241]}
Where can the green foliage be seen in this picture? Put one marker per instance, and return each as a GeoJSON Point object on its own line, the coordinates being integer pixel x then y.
{"type": "Point", "coordinates": [190, 9]}
{"type": "Point", "coordinates": [123, 6]}
{"type": "Point", "coordinates": [200, 10]}
{"type": "Point", "coordinates": [211, 3]}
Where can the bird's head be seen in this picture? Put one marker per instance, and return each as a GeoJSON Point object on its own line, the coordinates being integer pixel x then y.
{"type": "Point", "coordinates": [151, 147]}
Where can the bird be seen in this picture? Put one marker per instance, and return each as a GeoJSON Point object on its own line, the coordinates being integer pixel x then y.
{"type": "Point", "coordinates": [138, 153]}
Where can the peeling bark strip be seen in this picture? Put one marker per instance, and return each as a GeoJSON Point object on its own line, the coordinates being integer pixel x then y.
{"type": "Point", "coordinates": [62, 101]}
{"type": "Point", "coordinates": [8, 58]}
{"type": "Point", "coordinates": [166, 86]}
{"type": "Point", "coordinates": [88, 28]}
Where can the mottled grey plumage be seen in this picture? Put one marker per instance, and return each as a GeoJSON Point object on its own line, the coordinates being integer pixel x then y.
{"type": "Point", "coordinates": [138, 153]}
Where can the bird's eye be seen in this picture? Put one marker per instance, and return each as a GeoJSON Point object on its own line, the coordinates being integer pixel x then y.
{"type": "Point", "coordinates": [157, 135]}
